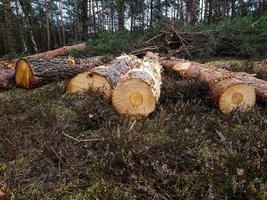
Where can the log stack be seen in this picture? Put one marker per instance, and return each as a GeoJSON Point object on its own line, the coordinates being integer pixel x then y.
{"type": "Point", "coordinates": [132, 84]}
{"type": "Point", "coordinates": [229, 90]}
{"type": "Point", "coordinates": [103, 78]}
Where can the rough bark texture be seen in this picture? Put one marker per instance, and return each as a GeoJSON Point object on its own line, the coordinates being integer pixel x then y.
{"type": "Point", "coordinates": [7, 74]}
{"type": "Point", "coordinates": [59, 52]}
{"type": "Point", "coordinates": [227, 89]}
{"type": "Point", "coordinates": [7, 64]}
{"type": "Point", "coordinates": [36, 72]}
{"type": "Point", "coordinates": [117, 69]}
{"type": "Point", "coordinates": [194, 69]}
{"type": "Point", "coordinates": [103, 78]}
{"type": "Point", "coordinates": [137, 92]}
{"type": "Point", "coordinates": [149, 72]}
{"type": "Point", "coordinates": [7, 78]}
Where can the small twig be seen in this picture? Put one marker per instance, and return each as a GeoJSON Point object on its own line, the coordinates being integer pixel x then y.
{"type": "Point", "coordinates": [183, 41]}
{"type": "Point", "coordinates": [224, 141]}
{"type": "Point", "coordinates": [139, 51]}
{"type": "Point", "coordinates": [256, 22]}
{"type": "Point", "coordinates": [154, 38]}
{"type": "Point", "coordinates": [87, 140]}
{"type": "Point", "coordinates": [131, 127]}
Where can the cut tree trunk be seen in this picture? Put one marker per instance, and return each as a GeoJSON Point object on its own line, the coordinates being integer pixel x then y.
{"type": "Point", "coordinates": [7, 78]}
{"type": "Point", "coordinates": [228, 89]}
{"type": "Point", "coordinates": [138, 92]}
{"type": "Point", "coordinates": [103, 78]}
{"type": "Point", "coordinates": [59, 52]}
{"type": "Point", "coordinates": [35, 72]}
{"type": "Point", "coordinates": [7, 74]}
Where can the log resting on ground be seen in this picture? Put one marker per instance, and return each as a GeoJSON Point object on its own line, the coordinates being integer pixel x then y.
{"type": "Point", "coordinates": [229, 90]}
{"type": "Point", "coordinates": [7, 78]}
{"type": "Point", "coordinates": [138, 92]}
{"type": "Point", "coordinates": [103, 78]}
{"type": "Point", "coordinates": [60, 52]}
{"type": "Point", "coordinates": [7, 74]}
{"type": "Point", "coordinates": [36, 72]}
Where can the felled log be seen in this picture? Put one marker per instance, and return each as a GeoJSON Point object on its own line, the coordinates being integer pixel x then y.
{"type": "Point", "coordinates": [7, 78]}
{"type": "Point", "coordinates": [241, 65]}
{"type": "Point", "coordinates": [228, 90]}
{"type": "Point", "coordinates": [60, 52]}
{"type": "Point", "coordinates": [7, 74]}
{"type": "Point", "coordinates": [138, 92]}
{"type": "Point", "coordinates": [194, 70]}
{"type": "Point", "coordinates": [35, 72]}
{"type": "Point", "coordinates": [103, 78]}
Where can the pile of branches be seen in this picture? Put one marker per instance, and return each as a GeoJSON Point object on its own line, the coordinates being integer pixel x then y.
{"type": "Point", "coordinates": [195, 44]}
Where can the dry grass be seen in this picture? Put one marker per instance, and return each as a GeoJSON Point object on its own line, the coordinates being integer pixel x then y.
{"type": "Point", "coordinates": [186, 149]}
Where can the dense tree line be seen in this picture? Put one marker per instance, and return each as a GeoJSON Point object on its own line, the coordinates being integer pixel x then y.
{"type": "Point", "coordinates": [39, 25]}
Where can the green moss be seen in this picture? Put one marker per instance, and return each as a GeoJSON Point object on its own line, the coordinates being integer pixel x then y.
{"type": "Point", "coordinates": [238, 128]}
{"type": "Point", "coordinates": [255, 192]}
{"type": "Point", "coordinates": [62, 111]}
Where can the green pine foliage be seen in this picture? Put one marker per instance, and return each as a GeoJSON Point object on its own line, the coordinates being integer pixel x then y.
{"type": "Point", "coordinates": [114, 43]}
{"type": "Point", "coordinates": [251, 30]}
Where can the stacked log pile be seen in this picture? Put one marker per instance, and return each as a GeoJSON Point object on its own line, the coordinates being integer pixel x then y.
{"type": "Point", "coordinates": [132, 84]}
{"type": "Point", "coordinates": [103, 78]}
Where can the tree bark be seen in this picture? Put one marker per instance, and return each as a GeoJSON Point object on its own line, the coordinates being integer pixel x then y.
{"type": "Point", "coordinates": [37, 72]}
{"type": "Point", "coordinates": [151, 13]}
{"type": "Point", "coordinates": [62, 25]}
{"type": "Point", "coordinates": [229, 90]}
{"type": "Point", "coordinates": [47, 9]}
{"type": "Point", "coordinates": [120, 11]}
{"type": "Point", "coordinates": [84, 19]}
{"type": "Point", "coordinates": [7, 78]}
{"type": "Point", "coordinates": [103, 78]}
{"type": "Point", "coordinates": [27, 10]}
{"type": "Point", "coordinates": [9, 35]}
{"type": "Point", "coordinates": [7, 64]}
{"type": "Point", "coordinates": [138, 92]}
{"type": "Point", "coordinates": [60, 52]}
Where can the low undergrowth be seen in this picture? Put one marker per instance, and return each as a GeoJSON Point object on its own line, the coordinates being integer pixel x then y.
{"type": "Point", "coordinates": [57, 146]}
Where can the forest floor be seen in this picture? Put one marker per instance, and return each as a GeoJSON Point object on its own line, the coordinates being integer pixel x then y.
{"type": "Point", "coordinates": [57, 146]}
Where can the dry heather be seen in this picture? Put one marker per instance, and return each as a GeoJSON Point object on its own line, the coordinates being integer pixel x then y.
{"type": "Point", "coordinates": [56, 146]}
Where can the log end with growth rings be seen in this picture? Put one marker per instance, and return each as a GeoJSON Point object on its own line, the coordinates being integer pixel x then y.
{"type": "Point", "coordinates": [24, 74]}
{"type": "Point", "coordinates": [240, 97]}
{"type": "Point", "coordinates": [138, 92]}
{"type": "Point", "coordinates": [133, 97]}
{"type": "Point", "coordinates": [89, 81]}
